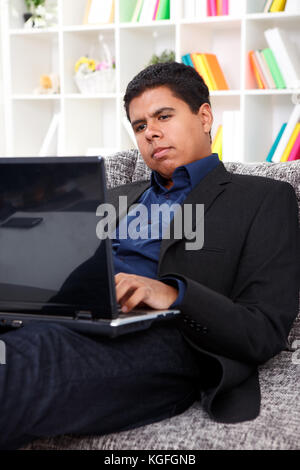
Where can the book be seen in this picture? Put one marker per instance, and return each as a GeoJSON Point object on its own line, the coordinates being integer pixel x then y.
{"type": "Point", "coordinates": [266, 71]}
{"type": "Point", "coordinates": [228, 147]}
{"type": "Point", "coordinates": [295, 153]}
{"type": "Point", "coordinates": [137, 11]}
{"type": "Point", "coordinates": [286, 56]}
{"type": "Point", "coordinates": [127, 8]}
{"type": "Point", "coordinates": [198, 65]}
{"type": "Point", "coordinates": [292, 6]}
{"type": "Point", "coordinates": [219, 6]}
{"type": "Point", "coordinates": [100, 12]}
{"type": "Point", "coordinates": [217, 142]}
{"type": "Point", "coordinates": [225, 7]}
{"type": "Point", "coordinates": [155, 10]}
{"type": "Point", "coordinates": [262, 73]}
{"type": "Point", "coordinates": [277, 5]}
{"type": "Point", "coordinates": [294, 118]}
{"type": "Point", "coordinates": [256, 70]}
{"type": "Point", "coordinates": [213, 7]}
{"type": "Point", "coordinates": [291, 143]}
{"type": "Point", "coordinates": [274, 69]}
{"type": "Point", "coordinates": [215, 72]}
{"type": "Point", "coordinates": [200, 9]}
{"type": "Point", "coordinates": [276, 142]}
{"type": "Point", "coordinates": [267, 6]}
{"type": "Point", "coordinates": [48, 147]}
{"type": "Point", "coordinates": [163, 12]}
{"type": "Point", "coordinates": [189, 9]}
{"type": "Point", "coordinates": [147, 11]}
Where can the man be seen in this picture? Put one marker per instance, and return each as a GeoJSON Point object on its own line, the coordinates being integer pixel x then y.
{"type": "Point", "coordinates": [238, 294]}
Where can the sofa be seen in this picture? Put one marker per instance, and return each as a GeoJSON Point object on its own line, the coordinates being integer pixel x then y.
{"type": "Point", "coordinates": [278, 425]}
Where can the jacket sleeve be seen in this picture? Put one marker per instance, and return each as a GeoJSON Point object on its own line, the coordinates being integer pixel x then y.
{"type": "Point", "coordinates": [253, 324]}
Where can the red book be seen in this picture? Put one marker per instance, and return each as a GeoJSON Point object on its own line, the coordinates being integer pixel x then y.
{"type": "Point", "coordinates": [295, 152]}
{"type": "Point", "coordinates": [213, 7]}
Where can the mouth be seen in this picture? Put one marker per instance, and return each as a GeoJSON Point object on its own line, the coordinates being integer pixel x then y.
{"type": "Point", "coordinates": [160, 152]}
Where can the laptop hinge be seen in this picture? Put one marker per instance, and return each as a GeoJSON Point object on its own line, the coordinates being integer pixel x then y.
{"type": "Point", "coordinates": [83, 315]}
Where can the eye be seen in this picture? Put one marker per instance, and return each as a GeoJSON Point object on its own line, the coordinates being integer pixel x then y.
{"type": "Point", "coordinates": [164, 116]}
{"type": "Point", "coordinates": [140, 128]}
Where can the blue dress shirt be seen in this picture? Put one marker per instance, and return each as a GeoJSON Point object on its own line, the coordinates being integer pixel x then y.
{"type": "Point", "coordinates": [140, 255]}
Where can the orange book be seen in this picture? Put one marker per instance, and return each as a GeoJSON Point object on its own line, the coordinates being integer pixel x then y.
{"type": "Point", "coordinates": [215, 71]}
{"type": "Point", "coordinates": [219, 7]}
{"type": "Point", "coordinates": [256, 69]}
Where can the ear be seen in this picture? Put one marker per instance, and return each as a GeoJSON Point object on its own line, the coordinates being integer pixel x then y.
{"type": "Point", "coordinates": [206, 117]}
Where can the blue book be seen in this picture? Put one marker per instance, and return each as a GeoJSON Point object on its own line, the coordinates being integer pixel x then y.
{"type": "Point", "coordinates": [275, 145]}
{"type": "Point", "coordinates": [186, 59]}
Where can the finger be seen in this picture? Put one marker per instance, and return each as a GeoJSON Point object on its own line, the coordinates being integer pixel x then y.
{"type": "Point", "coordinates": [126, 286]}
{"type": "Point", "coordinates": [140, 295]}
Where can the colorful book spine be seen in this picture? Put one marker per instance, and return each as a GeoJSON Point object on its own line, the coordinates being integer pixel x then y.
{"type": "Point", "coordinates": [276, 142]}
{"type": "Point", "coordinates": [225, 7]}
{"type": "Point", "coordinates": [255, 68]}
{"type": "Point", "coordinates": [294, 118]}
{"type": "Point", "coordinates": [198, 64]}
{"type": "Point", "coordinates": [188, 60]}
{"type": "Point", "coordinates": [277, 5]}
{"type": "Point", "coordinates": [267, 71]}
{"type": "Point", "coordinates": [137, 11]}
{"type": "Point", "coordinates": [295, 153]}
{"type": "Point", "coordinates": [163, 12]}
{"type": "Point", "coordinates": [155, 10]}
{"type": "Point", "coordinates": [219, 6]}
{"type": "Point", "coordinates": [291, 143]}
{"type": "Point", "coordinates": [217, 142]}
{"type": "Point", "coordinates": [260, 65]}
{"type": "Point", "coordinates": [215, 72]}
{"type": "Point", "coordinates": [274, 69]}
{"type": "Point", "coordinates": [212, 7]}
{"type": "Point", "coordinates": [267, 6]}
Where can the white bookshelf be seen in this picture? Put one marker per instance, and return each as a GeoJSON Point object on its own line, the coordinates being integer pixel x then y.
{"type": "Point", "coordinates": [96, 121]}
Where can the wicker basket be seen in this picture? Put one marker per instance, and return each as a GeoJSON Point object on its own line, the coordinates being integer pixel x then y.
{"type": "Point", "coordinates": [101, 81]}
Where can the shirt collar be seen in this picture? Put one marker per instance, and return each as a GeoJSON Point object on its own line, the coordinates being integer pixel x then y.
{"type": "Point", "coordinates": [194, 171]}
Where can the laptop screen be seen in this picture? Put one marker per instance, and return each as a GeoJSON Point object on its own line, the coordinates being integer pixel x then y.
{"type": "Point", "coordinates": [51, 260]}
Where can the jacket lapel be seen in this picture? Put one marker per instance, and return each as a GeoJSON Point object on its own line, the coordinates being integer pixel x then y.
{"type": "Point", "coordinates": [206, 192]}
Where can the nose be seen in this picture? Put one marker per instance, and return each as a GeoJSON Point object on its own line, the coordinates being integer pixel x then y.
{"type": "Point", "coordinates": [152, 131]}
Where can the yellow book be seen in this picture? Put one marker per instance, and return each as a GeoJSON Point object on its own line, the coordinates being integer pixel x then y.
{"type": "Point", "coordinates": [277, 5]}
{"type": "Point", "coordinates": [291, 143]}
{"type": "Point", "coordinates": [217, 142]}
{"type": "Point", "coordinates": [205, 71]}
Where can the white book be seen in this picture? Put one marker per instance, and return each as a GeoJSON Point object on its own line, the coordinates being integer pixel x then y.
{"type": "Point", "coordinates": [265, 69]}
{"type": "Point", "coordinates": [129, 130]}
{"type": "Point", "coordinates": [201, 9]}
{"type": "Point", "coordinates": [237, 137]}
{"type": "Point", "coordinates": [147, 11]}
{"type": "Point", "coordinates": [48, 143]}
{"type": "Point", "coordinates": [292, 6]}
{"type": "Point", "coordinates": [100, 11]}
{"type": "Point", "coordinates": [189, 9]}
{"type": "Point", "coordinates": [293, 120]}
{"type": "Point", "coordinates": [286, 55]}
{"type": "Point", "coordinates": [228, 147]}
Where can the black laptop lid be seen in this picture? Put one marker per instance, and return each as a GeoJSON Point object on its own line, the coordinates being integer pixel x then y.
{"type": "Point", "coordinates": [51, 260]}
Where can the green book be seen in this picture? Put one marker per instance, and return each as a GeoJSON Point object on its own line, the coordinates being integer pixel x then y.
{"type": "Point", "coordinates": [127, 8]}
{"type": "Point", "coordinates": [163, 12]}
{"type": "Point", "coordinates": [274, 69]}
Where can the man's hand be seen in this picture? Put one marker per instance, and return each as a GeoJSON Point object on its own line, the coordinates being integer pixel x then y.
{"type": "Point", "coordinates": [133, 291]}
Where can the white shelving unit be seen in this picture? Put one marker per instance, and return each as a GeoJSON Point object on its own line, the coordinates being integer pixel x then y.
{"type": "Point", "coordinates": [96, 121]}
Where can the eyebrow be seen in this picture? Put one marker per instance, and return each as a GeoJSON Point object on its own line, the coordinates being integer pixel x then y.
{"type": "Point", "coordinates": [156, 113]}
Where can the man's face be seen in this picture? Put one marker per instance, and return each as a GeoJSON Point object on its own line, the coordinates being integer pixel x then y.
{"type": "Point", "coordinates": [168, 134]}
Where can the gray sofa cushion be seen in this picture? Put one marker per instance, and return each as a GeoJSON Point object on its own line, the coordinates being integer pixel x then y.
{"type": "Point", "coordinates": [277, 426]}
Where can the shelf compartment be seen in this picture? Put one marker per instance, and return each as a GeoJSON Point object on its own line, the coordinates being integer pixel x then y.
{"type": "Point", "coordinates": [89, 125]}
{"type": "Point", "coordinates": [30, 59]}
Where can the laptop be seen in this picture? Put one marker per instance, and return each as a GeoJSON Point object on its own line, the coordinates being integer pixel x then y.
{"type": "Point", "coordinates": [53, 267]}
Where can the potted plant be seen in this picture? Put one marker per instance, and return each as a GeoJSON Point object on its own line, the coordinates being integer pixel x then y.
{"type": "Point", "coordinates": [34, 12]}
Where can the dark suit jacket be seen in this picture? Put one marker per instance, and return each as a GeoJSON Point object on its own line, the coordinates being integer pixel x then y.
{"type": "Point", "coordinates": [242, 286]}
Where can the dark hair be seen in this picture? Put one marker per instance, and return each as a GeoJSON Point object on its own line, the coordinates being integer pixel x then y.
{"type": "Point", "coordinates": [185, 83]}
